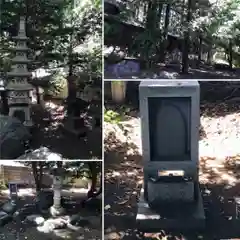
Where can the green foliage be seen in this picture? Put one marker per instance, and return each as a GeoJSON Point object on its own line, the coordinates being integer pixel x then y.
{"type": "Point", "coordinates": [218, 22]}
{"type": "Point", "coordinates": [112, 116]}
{"type": "Point", "coordinates": [55, 29]}
{"type": "Point", "coordinates": [58, 86]}
{"type": "Point", "coordinates": [2, 186]}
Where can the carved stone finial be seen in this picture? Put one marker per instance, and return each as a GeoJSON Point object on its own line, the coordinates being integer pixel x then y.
{"type": "Point", "coordinates": [22, 27]}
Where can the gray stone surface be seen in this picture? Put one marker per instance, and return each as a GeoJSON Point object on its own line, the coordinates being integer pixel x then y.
{"type": "Point", "coordinates": [180, 191]}
{"type": "Point", "coordinates": [78, 220]}
{"type": "Point", "coordinates": [188, 217]}
{"type": "Point", "coordinates": [168, 89]}
{"type": "Point", "coordinates": [51, 224]}
{"type": "Point", "coordinates": [56, 211]}
{"type": "Point", "coordinates": [36, 219]}
{"type": "Point", "coordinates": [42, 153]}
{"type": "Point", "coordinates": [9, 207]}
{"type": "Point", "coordinates": [13, 135]}
{"type": "Point", "coordinates": [4, 218]}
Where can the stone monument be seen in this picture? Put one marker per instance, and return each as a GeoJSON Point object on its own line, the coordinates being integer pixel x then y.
{"type": "Point", "coordinates": [170, 119]}
{"type": "Point", "coordinates": [57, 209]}
{"type": "Point", "coordinates": [19, 90]}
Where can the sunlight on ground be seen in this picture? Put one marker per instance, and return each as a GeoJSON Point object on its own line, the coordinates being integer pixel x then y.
{"type": "Point", "coordinates": [218, 151]}
{"type": "Point", "coordinates": [24, 192]}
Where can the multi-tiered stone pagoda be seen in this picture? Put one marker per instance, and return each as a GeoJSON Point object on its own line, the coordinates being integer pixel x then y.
{"type": "Point", "coordinates": [19, 90]}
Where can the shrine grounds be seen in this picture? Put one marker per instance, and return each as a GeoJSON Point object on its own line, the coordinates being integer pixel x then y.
{"type": "Point", "coordinates": [219, 167]}
{"type": "Point", "coordinates": [27, 221]}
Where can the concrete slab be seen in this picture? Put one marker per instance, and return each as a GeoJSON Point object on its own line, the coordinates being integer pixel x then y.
{"type": "Point", "coordinates": [187, 217]}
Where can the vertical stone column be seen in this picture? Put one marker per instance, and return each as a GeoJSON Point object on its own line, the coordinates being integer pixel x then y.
{"type": "Point", "coordinates": [57, 209]}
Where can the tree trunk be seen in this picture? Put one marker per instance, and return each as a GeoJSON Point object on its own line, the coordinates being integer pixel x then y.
{"type": "Point", "coordinates": [159, 15]}
{"type": "Point", "coordinates": [5, 107]}
{"type": "Point", "coordinates": [230, 55]}
{"type": "Point", "coordinates": [93, 170]}
{"type": "Point", "coordinates": [200, 49]}
{"type": "Point", "coordinates": [186, 47]}
{"type": "Point", "coordinates": [71, 92]}
{"type": "Point", "coordinates": [210, 54]}
{"type": "Point", "coordinates": [165, 33]}
{"type": "Point", "coordinates": [150, 15]}
{"type": "Point", "coordinates": [37, 168]}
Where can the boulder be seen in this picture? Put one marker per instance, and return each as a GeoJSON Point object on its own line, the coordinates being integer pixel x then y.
{"type": "Point", "coordinates": [52, 224]}
{"type": "Point", "coordinates": [4, 218]}
{"type": "Point", "coordinates": [13, 137]}
{"type": "Point", "coordinates": [36, 219]}
{"type": "Point", "coordinates": [42, 153]}
{"type": "Point", "coordinates": [9, 207]}
{"type": "Point", "coordinates": [78, 220]}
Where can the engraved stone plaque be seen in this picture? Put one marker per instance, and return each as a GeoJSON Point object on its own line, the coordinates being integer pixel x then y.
{"type": "Point", "coordinates": [169, 192]}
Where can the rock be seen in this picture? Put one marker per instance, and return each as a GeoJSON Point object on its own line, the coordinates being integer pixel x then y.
{"type": "Point", "coordinates": [78, 220]}
{"type": "Point", "coordinates": [13, 137]}
{"type": "Point", "coordinates": [9, 207]}
{"type": "Point", "coordinates": [112, 236]}
{"type": "Point", "coordinates": [51, 224]}
{"type": "Point", "coordinates": [36, 219]}
{"type": "Point", "coordinates": [57, 223]}
{"type": "Point", "coordinates": [4, 218]}
{"type": "Point", "coordinates": [42, 153]}
{"type": "Point", "coordinates": [26, 210]}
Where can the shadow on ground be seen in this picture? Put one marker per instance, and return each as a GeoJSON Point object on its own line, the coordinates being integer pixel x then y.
{"type": "Point", "coordinates": [20, 229]}
{"type": "Point", "coordinates": [48, 132]}
{"type": "Point", "coordinates": [123, 180]}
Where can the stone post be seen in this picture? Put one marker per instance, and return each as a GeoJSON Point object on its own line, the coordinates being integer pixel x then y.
{"type": "Point", "coordinates": [57, 209]}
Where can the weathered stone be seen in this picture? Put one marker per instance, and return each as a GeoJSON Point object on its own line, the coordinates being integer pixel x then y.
{"type": "Point", "coordinates": [36, 219]}
{"type": "Point", "coordinates": [42, 153]}
{"type": "Point", "coordinates": [4, 218]}
{"type": "Point", "coordinates": [9, 207]}
{"type": "Point", "coordinates": [187, 217]}
{"type": "Point", "coordinates": [171, 198]}
{"type": "Point", "coordinates": [51, 224]}
{"type": "Point", "coordinates": [13, 137]}
{"type": "Point", "coordinates": [78, 220]}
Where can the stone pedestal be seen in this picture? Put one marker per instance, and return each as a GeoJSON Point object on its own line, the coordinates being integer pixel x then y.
{"type": "Point", "coordinates": [69, 126]}
{"type": "Point", "coordinates": [184, 217]}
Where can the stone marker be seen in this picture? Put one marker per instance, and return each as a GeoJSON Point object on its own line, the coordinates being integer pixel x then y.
{"type": "Point", "coordinates": [171, 197]}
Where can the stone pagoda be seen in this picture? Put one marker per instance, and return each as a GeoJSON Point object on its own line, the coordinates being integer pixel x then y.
{"type": "Point", "coordinates": [19, 90]}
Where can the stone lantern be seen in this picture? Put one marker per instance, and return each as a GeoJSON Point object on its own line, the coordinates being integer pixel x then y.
{"type": "Point", "coordinates": [19, 90]}
{"type": "Point", "coordinates": [57, 209]}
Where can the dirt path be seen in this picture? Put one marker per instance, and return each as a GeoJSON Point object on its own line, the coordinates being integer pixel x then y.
{"type": "Point", "coordinates": [219, 175]}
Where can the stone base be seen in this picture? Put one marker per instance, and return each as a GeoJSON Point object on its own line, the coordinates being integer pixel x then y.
{"type": "Point", "coordinates": [69, 127]}
{"type": "Point", "coordinates": [188, 217]}
{"type": "Point", "coordinates": [55, 212]}
{"type": "Point", "coordinates": [28, 124]}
